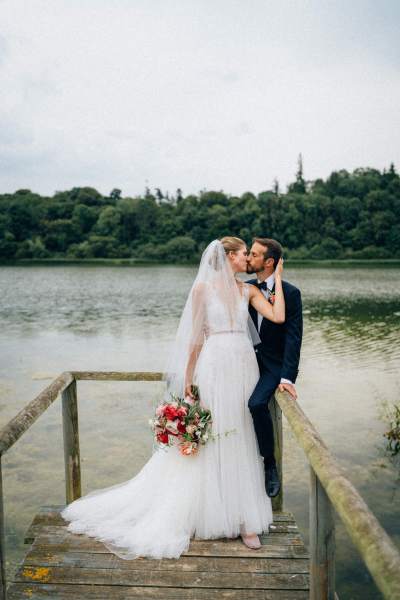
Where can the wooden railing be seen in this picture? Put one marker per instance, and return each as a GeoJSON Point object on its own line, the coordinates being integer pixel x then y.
{"type": "Point", "coordinates": [329, 489]}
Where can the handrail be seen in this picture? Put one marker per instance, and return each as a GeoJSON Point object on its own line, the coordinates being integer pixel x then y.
{"type": "Point", "coordinates": [64, 384]}
{"type": "Point", "coordinates": [17, 426]}
{"type": "Point", "coordinates": [32, 411]}
{"type": "Point", "coordinates": [375, 546]}
{"type": "Point", "coordinates": [329, 482]}
{"type": "Point", "coordinates": [117, 375]}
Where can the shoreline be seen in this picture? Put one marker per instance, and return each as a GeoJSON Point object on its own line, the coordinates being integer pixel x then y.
{"type": "Point", "coordinates": [129, 262]}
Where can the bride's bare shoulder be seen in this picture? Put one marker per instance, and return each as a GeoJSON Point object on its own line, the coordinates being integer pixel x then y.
{"type": "Point", "coordinates": [250, 290]}
{"type": "Point", "coordinates": [246, 287]}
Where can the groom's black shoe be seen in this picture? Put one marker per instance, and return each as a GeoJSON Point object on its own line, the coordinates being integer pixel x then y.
{"type": "Point", "coordinates": [272, 483]}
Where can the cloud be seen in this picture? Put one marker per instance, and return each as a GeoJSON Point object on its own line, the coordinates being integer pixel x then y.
{"type": "Point", "coordinates": [194, 95]}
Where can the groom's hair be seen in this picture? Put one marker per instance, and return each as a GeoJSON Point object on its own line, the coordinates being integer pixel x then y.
{"type": "Point", "coordinates": [273, 249]}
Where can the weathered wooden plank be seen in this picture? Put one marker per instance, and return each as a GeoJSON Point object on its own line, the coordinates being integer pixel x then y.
{"type": "Point", "coordinates": [322, 543]}
{"type": "Point", "coordinates": [32, 411]}
{"type": "Point", "coordinates": [97, 592]}
{"type": "Point", "coordinates": [57, 557]}
{"type": "Point", "coordinates": [50, 515]}
{"type": "Point", "coordinates": [159, 578]}
{"type": "Point", "coordinates": [72, 461]}
{"type": "Point", "coordinates": [378, 551]}
{"type": "Point", "coordinates": [37, 527]}
{"type": "Point", "coordinates": [283, 527]}
{"type": "Point", "coordinates": [52, 511]}
{"type": "Point", "coordinates": [64, 565]}
{"type": "Point", "coordinates": [55, 519]}
{"type": "Point", "coordinates": [295, 552]}
{"type": "Point", "coordinates": [283, 516]}
{"type": "Point", "coordinates": [117, 375]}
{"type": "Point", "coordinates": [60, 535]}
{"type": "Point", "coordinates": [280, 537]}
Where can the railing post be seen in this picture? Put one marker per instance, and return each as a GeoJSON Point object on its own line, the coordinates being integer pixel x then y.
{"type": "Point", "coordinates": [322, 542]}
{"type": "Point", "coordinates": [71, 443]}
{"type": "Point", "coordinates": [276, 416]}
{"type": "Point", "coordinates": [3, 582]}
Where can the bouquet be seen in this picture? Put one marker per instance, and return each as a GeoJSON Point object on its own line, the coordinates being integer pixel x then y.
{"type": "Point", "coordinates": [182, 422]}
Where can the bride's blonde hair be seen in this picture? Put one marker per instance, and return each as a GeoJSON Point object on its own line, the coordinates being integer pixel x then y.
{"type": "Point", "coordinates": [232, 244]}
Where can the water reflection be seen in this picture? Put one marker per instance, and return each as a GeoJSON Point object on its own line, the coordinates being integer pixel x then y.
{"type": "Point", "coordinates": [112, 318]}
{"type": "Point", "coordinates": [362, 329]}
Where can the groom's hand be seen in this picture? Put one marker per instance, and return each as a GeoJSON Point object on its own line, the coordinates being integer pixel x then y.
{"type": "Point", "coordinates": [288, 387]}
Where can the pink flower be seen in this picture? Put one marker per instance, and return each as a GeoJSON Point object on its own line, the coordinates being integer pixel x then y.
{"type": "Point", "coordinates": [188, 448]}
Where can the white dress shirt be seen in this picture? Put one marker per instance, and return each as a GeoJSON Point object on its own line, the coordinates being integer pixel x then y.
{"type": "Point", "coordinates": [270, 281]}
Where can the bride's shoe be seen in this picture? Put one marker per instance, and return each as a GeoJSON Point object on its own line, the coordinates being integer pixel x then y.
{"type": "Point", "coordinates": [251, 540]}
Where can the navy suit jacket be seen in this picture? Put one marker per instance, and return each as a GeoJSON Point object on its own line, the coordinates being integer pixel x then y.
{"type": "Point", "coordinates": [279, 350]}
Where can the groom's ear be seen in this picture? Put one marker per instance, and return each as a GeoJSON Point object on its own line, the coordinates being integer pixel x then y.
{"type": "Point", "coordinates": [269, 262]}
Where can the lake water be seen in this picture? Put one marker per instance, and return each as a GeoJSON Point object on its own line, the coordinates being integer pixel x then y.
{"type": "Point", "coordinates": [57, 318]}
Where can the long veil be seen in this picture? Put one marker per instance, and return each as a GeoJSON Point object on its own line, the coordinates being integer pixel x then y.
{"type": "Point", "coordinates": [214, 277]}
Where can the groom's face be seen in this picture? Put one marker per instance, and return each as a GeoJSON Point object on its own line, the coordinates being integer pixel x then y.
{"type": "Point", "coordinates": [256, 259]}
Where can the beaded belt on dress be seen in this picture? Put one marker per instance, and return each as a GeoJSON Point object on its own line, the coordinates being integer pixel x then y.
{"type": "Point", "coordinates": [227, 331]}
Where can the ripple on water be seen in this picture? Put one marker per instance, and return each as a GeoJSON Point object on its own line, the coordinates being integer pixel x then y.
{"type": "Point", "coordinates": [123, 319]}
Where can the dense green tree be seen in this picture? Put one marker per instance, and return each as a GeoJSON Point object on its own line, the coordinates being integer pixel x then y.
{"type": "Point", "coordinates": [299, 186]}
{"type": "Point", "coordinates": [347, 215]}
{"type": "Point", "coordinates": [8, 244]}
{"type": "Point", "coordinates": [109, 221]}
{"type": "Point", "coordinates": [84, 217]}
{"type": "Point", "coordinates": [115, 194]}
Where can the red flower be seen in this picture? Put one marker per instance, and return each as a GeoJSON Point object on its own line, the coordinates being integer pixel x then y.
{"type": "Point", "coordinates": [170, 412]}
{"type": "Point", "coordinates": [162, 438]}
{"type": "Point", "coordinates": [181, 427]}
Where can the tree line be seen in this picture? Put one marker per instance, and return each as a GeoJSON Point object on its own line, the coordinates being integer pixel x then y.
{"type": "Point", "coordinates": [348, 215]}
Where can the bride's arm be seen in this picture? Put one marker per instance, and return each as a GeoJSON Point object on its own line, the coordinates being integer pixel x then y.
{"type": "Point", "coordinates": [191, 365]}
{"type": "Point", "coordinates": [197, 336]}
{"type": "Point", "coordinates": [274, 312]}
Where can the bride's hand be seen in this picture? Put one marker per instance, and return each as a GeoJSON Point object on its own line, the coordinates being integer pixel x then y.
{"type": "Point", "coordinates": [188, 391]}
{"type": "Point", "coordinates": [279, 267]}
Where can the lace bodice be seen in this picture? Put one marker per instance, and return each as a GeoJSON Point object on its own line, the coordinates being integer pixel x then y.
{"type": "Point", "coordinates": [219, 318]}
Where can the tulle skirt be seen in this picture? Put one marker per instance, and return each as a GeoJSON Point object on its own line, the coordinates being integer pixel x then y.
{"type": "Point", "coordinates": [216, 493]}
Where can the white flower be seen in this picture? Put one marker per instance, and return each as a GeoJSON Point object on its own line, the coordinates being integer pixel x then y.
{"type": "Point", "coordinates": [172, 426]}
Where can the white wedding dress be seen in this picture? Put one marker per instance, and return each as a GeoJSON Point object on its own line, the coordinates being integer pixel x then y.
{"type": "Point", "coordinates": [216, 493]}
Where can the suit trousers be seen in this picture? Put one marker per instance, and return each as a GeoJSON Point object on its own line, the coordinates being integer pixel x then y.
{"type": "Point", "coordinates": [258, 405]}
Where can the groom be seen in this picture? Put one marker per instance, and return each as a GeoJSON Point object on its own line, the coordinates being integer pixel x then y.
{"type": "Point", "coordinates": [278, 353]}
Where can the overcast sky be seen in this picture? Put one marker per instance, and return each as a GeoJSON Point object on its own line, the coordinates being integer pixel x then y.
{"type": "Point", "coordinates": [214, 94]}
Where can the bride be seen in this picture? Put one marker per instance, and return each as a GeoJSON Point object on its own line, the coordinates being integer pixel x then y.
{"type": "Point", "coordinates": [218, 492]}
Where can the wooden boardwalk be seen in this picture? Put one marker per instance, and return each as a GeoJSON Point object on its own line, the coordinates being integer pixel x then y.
{"type": "Point", "coordinates": [62, 565]}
